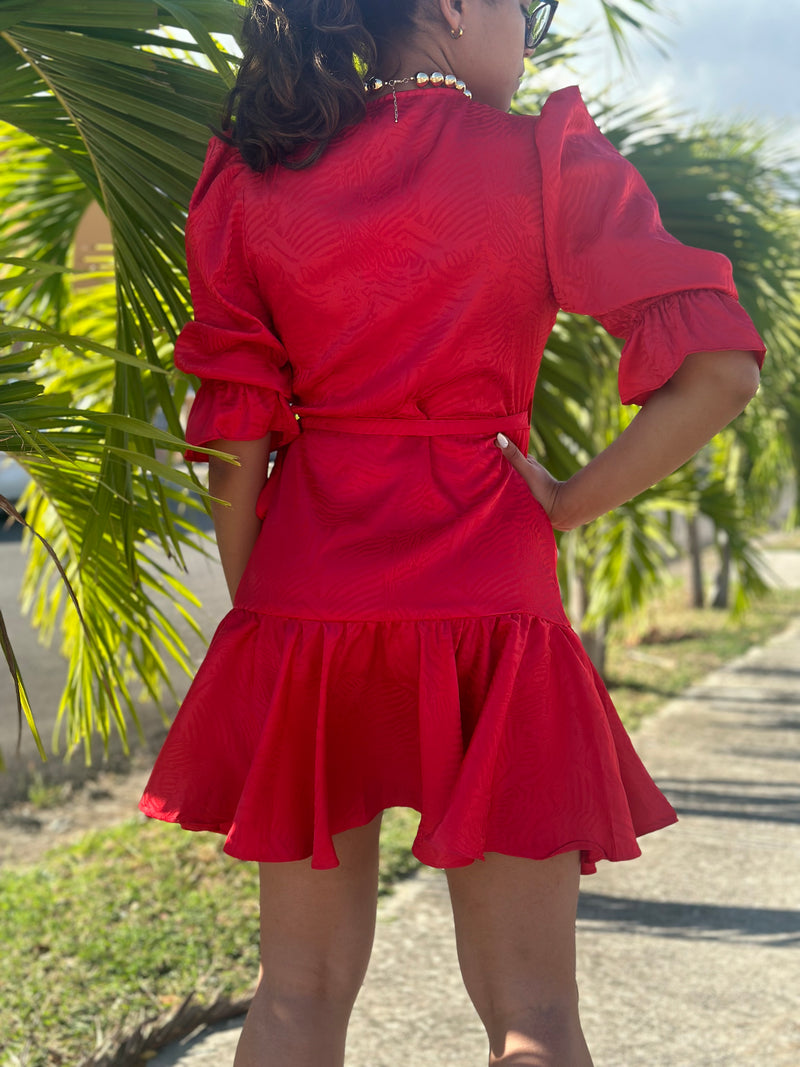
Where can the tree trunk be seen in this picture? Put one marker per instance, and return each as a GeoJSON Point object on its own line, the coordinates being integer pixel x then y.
{"type": "Point", "coordinates": [696, 562]}
{"type": "Point", "coordinates": [595, 643]}
{"type": "Point", "coordinates": [722, 582]}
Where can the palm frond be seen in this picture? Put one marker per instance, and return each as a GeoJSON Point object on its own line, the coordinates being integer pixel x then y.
{"type": "Point", "coordinates": [96, 106]}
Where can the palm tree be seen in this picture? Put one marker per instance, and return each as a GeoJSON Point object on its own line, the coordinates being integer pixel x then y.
{"type": "Point", "coordinates": [101, 104]}
{"type": "Point", "coordinates": [722, 186]}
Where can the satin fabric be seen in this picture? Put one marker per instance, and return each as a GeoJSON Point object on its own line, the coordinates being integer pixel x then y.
{"type": "Point", "coordinates": [398, 637]}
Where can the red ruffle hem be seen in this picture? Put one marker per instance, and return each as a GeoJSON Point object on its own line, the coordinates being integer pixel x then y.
{"type": "Point", "coordinates": [498, 730]}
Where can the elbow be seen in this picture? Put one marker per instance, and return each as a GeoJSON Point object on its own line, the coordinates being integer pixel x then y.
{"type": "Point", "coordinates": [743, 377]}
{"type": "Point", "coordinates": [730, 377]}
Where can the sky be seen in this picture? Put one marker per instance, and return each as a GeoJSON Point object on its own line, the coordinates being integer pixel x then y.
{"type": "Point", "coordinates": [732, 58]}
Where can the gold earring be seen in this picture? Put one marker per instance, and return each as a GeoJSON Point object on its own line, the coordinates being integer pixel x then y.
{"type": "Point", "coordinates": [455, 34]}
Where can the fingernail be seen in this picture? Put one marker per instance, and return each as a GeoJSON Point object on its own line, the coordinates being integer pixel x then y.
{"type": "Point", "coordinates": [502, 440]}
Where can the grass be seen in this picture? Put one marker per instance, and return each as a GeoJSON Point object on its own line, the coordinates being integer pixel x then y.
{"type": "Point", "coordinates": [669, 646]}
{"type": "Point", "coordinates": [122, 926]}
{"type": "Point", "coordinates": [43, 795]}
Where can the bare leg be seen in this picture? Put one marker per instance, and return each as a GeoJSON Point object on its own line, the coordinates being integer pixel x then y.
{"type": "Point", "coordinates": [317, 929]}
{"type": "Point", "coordinates": [515, 931]}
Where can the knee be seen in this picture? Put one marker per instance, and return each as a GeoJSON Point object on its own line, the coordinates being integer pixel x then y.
{"type": "Point", "coordinates": [549, 1019]}
{"type": "Point", "coordinates": [296, 987]}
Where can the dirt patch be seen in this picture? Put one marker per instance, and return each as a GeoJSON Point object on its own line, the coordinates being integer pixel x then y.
{"type": "Point", "coordinates": [64, 812]}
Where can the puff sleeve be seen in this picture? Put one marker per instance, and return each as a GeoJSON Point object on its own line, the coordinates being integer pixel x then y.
{"type": "Point", "coordinates": [610, 257]}
{"type": "Point", "coordinates": [244, 371]}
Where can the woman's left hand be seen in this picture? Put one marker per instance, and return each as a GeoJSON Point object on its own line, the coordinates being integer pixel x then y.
{"type": "Point", "coordinates": [544, 487]}
{"type": "Point", "coordinates": [705, 393]}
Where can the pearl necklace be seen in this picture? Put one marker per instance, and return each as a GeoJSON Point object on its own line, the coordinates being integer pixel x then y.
{"type": "Point", "coordinates": [449, 81]}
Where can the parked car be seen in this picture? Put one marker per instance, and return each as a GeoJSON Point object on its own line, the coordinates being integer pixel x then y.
{"type": "Point", "coordinates": [13, 478]}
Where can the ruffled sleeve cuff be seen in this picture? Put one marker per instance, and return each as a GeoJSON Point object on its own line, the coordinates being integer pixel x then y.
{"type": "Point", "coordinates": [237, 412]}
{"type": "Point", "coordinates": [670, 328]}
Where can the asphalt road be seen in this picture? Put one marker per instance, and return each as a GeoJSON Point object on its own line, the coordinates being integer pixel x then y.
{"type": "Point", "coordinates": [44, 672]}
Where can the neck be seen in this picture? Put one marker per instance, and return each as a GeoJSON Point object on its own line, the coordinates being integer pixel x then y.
{"type": "Point", "coordinates": [406, 62]}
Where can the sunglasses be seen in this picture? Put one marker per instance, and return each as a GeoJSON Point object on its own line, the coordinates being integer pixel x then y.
{"type": "Point", "coordinates": [538, 22]}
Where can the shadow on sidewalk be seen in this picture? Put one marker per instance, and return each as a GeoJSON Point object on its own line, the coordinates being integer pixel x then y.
{"type": "Point", "coordinates": [731, 700]}
{"type": "Point", "coordinates": [770, 927]}
{"type": "Point", "coordinates": [721, 798]}
{"type": "Point", "coordinates": [767, 670]}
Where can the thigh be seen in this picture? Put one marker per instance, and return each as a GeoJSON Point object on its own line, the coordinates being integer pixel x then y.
{"type": "Point", "coordinates": [515, 931]}
{"type": "Point", "coordinates": [317, 926]}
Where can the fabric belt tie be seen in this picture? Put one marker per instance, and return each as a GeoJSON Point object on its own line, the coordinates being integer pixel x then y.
{"type": "Point", "coordinates": [416, 427]}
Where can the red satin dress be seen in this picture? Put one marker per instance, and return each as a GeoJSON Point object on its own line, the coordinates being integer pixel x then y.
{"type": "Point", "coordinates": [398, 637]}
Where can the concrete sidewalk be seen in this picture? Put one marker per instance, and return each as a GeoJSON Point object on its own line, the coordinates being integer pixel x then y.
{"type": "Point", "coordinates": [688, 956]}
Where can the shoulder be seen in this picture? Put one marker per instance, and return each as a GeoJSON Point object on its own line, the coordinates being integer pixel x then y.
{"type": "Point", "coordinates": [222, 202]}
{"type": "Point", "coordinates": [563, 125]}
{"type": "Point", "coordinates": [566, 108]}
{"type": "Point", "coordinates": [225, 181]}
{"type": "Point", "coordinates": [565, 131]}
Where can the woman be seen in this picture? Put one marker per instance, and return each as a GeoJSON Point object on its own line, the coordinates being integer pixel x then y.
{"type": "Point", "coordinates": [391, 263]}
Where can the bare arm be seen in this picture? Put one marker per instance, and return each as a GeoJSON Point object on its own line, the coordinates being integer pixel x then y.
{"type": "Point", "coordinates": [707, 392]}
{"type": "Point", "coordinates": [237, 527]}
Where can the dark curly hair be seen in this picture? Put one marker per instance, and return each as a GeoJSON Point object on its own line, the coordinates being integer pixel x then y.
{"type": "Point", "coordinates": [301, 78]}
